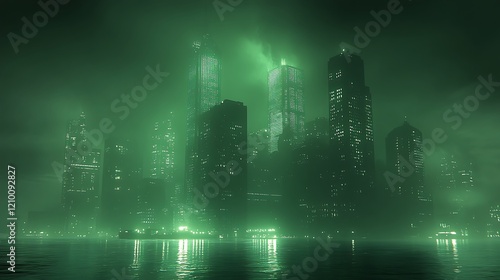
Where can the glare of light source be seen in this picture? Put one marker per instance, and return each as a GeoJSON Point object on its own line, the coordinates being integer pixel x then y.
{"type": "Point", "coordinates": [183, 228]}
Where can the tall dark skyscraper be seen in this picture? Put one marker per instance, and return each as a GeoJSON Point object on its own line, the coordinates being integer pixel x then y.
{"type": "Point", "coordinates": [306, 194]}
{"type": "Point", "coordinates": [351, 140]}
{"type": "Point", "coordinates": [81, 180]}
{"type": "Point", "coordinates": [222, 173]}
{"type": "Point", "coordinates": [263, 197]}
{"type": "Point", "coordinates": [204, 92]}
{"type": "Point", "coordinates": [120, 185]}
{"type": "Point", "coordinates": [404, 154]}
{"type": "Point", "coordinates": [317, 130]}
{"type": "Point", "coordinates": [286, 104]}
{"type": "Point", "coordinates": [154, 208]}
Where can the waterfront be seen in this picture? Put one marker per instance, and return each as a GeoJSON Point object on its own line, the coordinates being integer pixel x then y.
{"type": "Point", "coordinates": [253, 259]}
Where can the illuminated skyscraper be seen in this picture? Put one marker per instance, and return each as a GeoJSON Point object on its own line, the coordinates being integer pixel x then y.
{"type": "Point", "coordinates": [204, 84]}
{"type": "Point", "coordinates": [157, 205]}
{"type": "Point", "coordinates": [493, 223]}
{"type": "Point", "coordinates": [351, 140]}
{"type": "Point", "coordinates": [405, 160]}
{"type": "Point", "coordinates": [286, 104]}
{"type": "Point", "coordinates": [160, 162]}
{"type": "Point", "coordinates": [81, 180]}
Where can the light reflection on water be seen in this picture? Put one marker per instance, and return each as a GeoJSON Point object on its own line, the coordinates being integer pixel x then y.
{"type": "Point", "coordinates": [254, 259]}
{"type": "Point", "coordinates": [448, 253]}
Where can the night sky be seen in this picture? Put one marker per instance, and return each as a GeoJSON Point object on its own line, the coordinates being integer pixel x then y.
{"type": "Point", "coordinates": [91, 52]}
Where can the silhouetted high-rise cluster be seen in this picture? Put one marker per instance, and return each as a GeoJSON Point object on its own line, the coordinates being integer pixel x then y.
{"type": "Point", "coordinates": [291, 178]}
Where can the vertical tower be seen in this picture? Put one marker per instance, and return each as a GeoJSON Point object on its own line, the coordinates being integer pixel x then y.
{"type": "Point", "coordinates": [286, 104]}
{"type": "Point", "coordinates": [455, 191]}
{"type": "Point", "coordinates": [404, 155]}
{"type": "Point", "coordinates": [351, 139]}
{"type": "Point", "coordinates": [223, 168]}
{"type": "Point", "coordinates": [204, 92]}
{"type": "Point", "coordinates": [493, 222]}
{"type": "Point", "coordinates": [162, 151]}
{"type": "Point", "coordinates": [121, 179]}
{"type": "Point", "coordinates": [159, 193]}
{"type": "Point", "coordinates": [81, 180]}
{"type": "Point", "coordinates": [307, 189]}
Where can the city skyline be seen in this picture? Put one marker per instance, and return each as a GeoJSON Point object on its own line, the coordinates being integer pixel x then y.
{"type": "Point", "coordinates": [346, 161]}
{"type": "Point", "coordinates": [255, 46]}
{"type": "Point", "coordinates": [250, 139]}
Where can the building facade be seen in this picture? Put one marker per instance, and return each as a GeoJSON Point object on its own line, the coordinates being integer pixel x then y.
{"type": "Point", "coordinates": [351, 142]}
{"type": "Point", "coordinates": [204, 92]}
{"type": "Point", "coordinates": [161, 159]}
{"type": "Point", "coordinates": [122, 175]}
{"type": "Point", "coordinates": [286, 104]}
{"type": "Point", "coordinates": [412, 205]}
{"type": "Point", "coordinates": [81, 180]}
{"type": "Point", "coordinates": [221, 176]}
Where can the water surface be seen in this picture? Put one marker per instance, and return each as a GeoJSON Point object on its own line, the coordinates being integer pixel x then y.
{"type": "Point", "coordinates": [252, 259]}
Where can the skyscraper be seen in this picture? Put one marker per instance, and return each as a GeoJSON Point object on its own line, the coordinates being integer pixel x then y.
{"type": "Point", "coordinates": [154, 208]}
{"type": "Point", "coordinates": [120, 185]}
{"type": "Point", "coordinates": [204, 92]}
{"type": "Point", "coordinates": [286, 104]}
{"type": "Point", "coordinates": [493, 222]}
{"type": "Point", "coordinates": [351, 140]}
{"type": "Point", "coordinates": [306, 194]}
{"type": "Point", "coordinates": [81, 180]}
{"type": "Point", "coordinates": [159, 191]}
{"type": "Point", "coordinates": [222, 173]}
{"type": "Point", "coordinates": [263, 195]}
{"type": "Point", "coordinates": [317, 130]}
{"type": "Point", "coordinates": [404, 154]}
{"type": "Point", "coordinates": [160, 161]}
{"type": "Point", "coordinates": [457, 211]}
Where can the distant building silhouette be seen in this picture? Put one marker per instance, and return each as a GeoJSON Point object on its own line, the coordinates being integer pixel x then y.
{"type": "Point", "coordinates": [81, 180]}
{"type": "Point", "coordinates": [264, 197]}
{"type": "Point", "coordinates": [457, 211]}
{"type": "Point", "coordinates": [286, 104]}
{"type": "Point", "coordinates": [307, 184]}
{"type": "Point", "coordinates": [493, 223]}
{"type": "Point", "coordinates": [317, 130]}
{"type": "Point", "coordinates": [160, 161]}
{"type": "Point", "coordinates": [154, 208]}
{"type": "Point", "coordinates": [120, 185]}
{"type": "Point", "coordinates": [412, 209]}
{"type": "Point", "coordinates": [204, 92]}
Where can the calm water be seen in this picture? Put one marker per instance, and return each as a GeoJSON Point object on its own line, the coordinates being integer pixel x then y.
{"type": "Point", "coordinates": [252, 259]}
